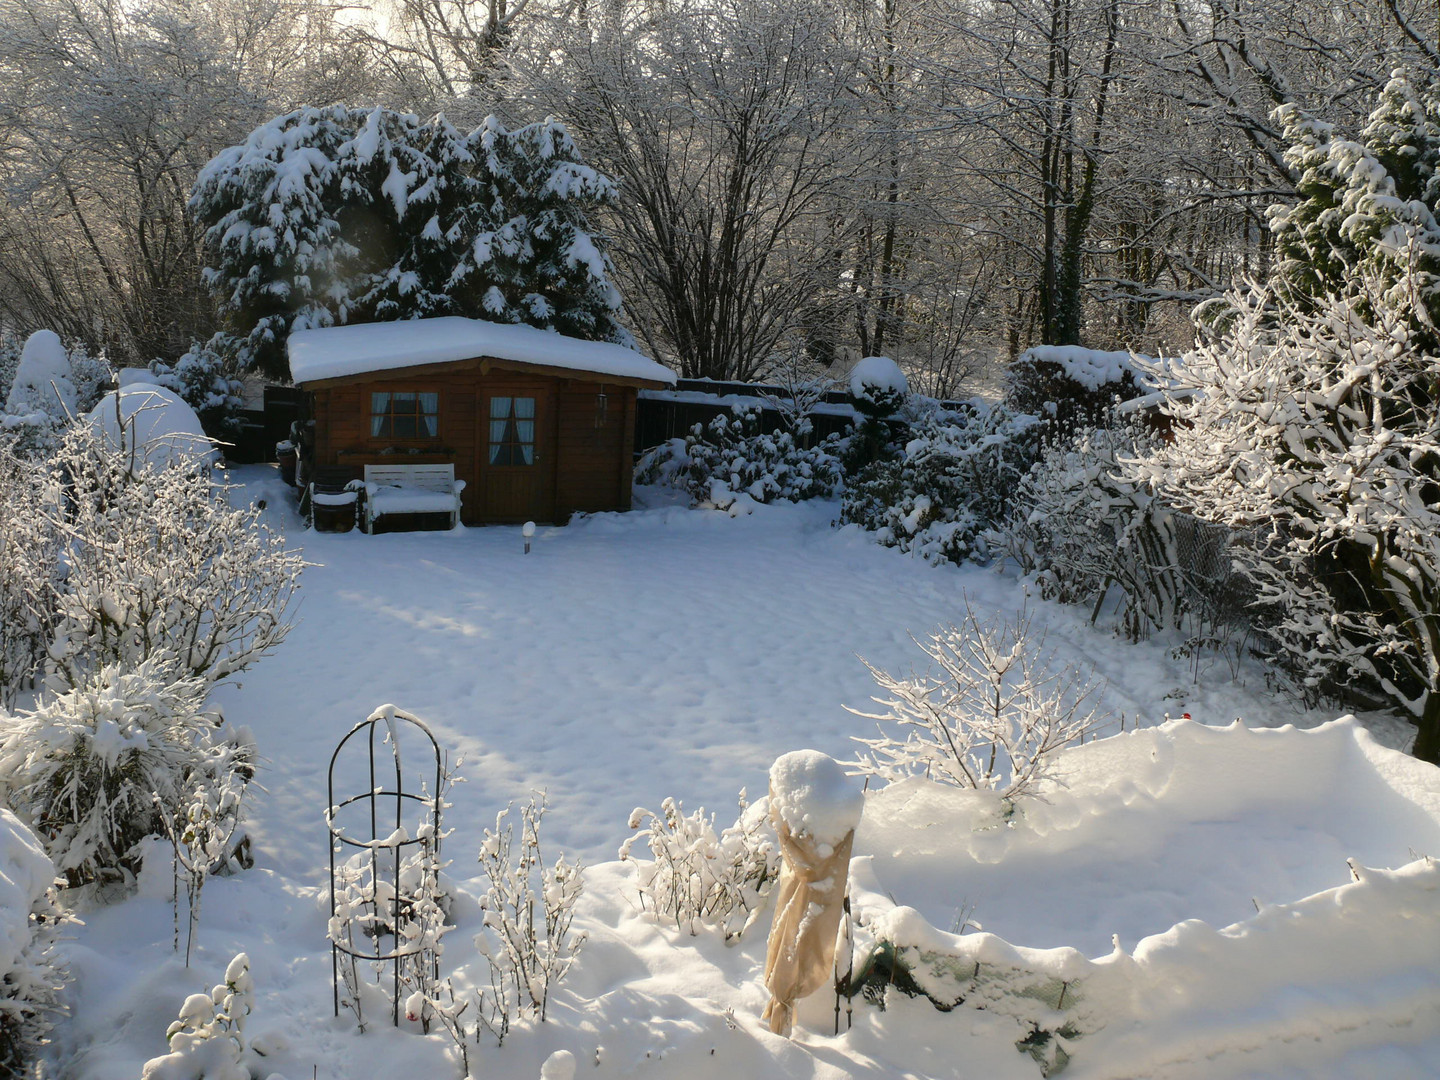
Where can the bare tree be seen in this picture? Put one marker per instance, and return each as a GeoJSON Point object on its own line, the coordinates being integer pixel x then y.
{"type": "Point", "coordinates": [724, 123]}
{"type": "Point", "coordinates": [109, 110]}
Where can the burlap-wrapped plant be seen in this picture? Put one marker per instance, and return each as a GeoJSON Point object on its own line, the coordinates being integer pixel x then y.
{"type": "Point", "coordinates": [815, 808]}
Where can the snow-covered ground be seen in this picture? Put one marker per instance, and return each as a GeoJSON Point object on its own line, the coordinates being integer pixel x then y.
{"type": "Point", "coordinates": [676, 652]}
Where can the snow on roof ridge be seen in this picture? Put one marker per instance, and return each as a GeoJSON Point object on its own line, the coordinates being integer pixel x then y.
{"type": "Point", "coordinates": [336, 351]}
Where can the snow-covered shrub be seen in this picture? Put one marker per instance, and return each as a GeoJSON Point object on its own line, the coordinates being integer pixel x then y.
{"type": "Point", "coordinates": [1069, 387]}
{"type": "Point", "coordinates": [159, 564]}
{"type": "Point", "coordinates": [954, 482]}
{"type": "Point", "coordinates": [700, 876]}
{"type": "Point", "coordinates": [1081, 527]}
{"type": "Point", "coordinates": [733, 456]}
{"type": "Point", "coordinates": [203, 379]}
{"type": "Point", "coordinates": [990, 713]}
{"type": "Point", "coordinates": [1313, 429]}
{"type": "Point", "coordinates": [31, 569]}
{"type": "Point", "coordinates": [31, 976]}
{"type": "Point", "coordinates": [89, 769]}
{"type": "Point", "coordinates": [202, 828]}
{"type": "Point", "coordinates": [207, 1042]}
{"type": "Point", "coordinates": [152, 427]}
{"type": "Point", "coordinates": [878, 390]}
{"type": "Point", "coordinates": [901, 953]}
{"type": "Point", "coordinates": [878, 386]}
{"type": "Point", "coordinates": [528, 911]}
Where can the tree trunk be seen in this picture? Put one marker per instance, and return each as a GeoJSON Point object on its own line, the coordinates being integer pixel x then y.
{"type": "Point", "coordinates": [1427, 739]}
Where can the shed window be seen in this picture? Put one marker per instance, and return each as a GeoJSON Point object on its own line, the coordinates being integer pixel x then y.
{"type": "Point", "coordinates": [512, 431]}
{"type": "Point", "coordinates": [407, 415]}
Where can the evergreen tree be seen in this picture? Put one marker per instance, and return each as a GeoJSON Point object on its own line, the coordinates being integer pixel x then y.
{"type": "Point", "coordinates": [338, 215]}
{"type": "Point", "coordinates": [1366, 207]}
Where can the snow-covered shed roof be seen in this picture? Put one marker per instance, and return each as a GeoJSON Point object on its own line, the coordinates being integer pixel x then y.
{"type": "Point", "coordinates": [338, 351]}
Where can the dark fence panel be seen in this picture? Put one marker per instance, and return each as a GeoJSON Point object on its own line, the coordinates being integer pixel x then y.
{"type": "Point", "coordinates": [671, 414]}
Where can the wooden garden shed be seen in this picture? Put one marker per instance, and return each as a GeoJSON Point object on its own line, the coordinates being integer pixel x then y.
{"type": "Point", "coordinates": [538, 425]}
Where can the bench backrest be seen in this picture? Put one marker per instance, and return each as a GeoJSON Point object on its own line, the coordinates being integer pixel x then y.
{"type": "Point", "coordinates": [428, 477]}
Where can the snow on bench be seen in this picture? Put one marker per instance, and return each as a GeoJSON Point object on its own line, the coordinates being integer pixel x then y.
{"type": "Point", "coordinates": [411, 489]}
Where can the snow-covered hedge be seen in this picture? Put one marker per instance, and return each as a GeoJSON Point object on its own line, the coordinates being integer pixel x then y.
{"type": "Point", "coordinates": [1068, 386]}
{"type": "Point", "coordinates": [732, 456]}
{"type": "Point", "coordinates": [31, 978]}
{"type": "Point", "coordinates": [953, 483]}
{"type": "Point", "coordinates": [1082, 528]}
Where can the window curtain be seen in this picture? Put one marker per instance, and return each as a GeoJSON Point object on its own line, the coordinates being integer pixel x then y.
{"type": "Point", "coordinates": [379, 410]}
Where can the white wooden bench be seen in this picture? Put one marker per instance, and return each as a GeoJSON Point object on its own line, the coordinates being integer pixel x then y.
{"type": "Point", "coordinates": [411, 489]}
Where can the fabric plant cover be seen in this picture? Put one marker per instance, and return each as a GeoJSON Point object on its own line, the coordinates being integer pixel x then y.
{"type": "Point", "coordinates": [815, 808]}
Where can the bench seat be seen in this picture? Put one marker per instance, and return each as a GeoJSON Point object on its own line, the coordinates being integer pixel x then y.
{"type": "Point", "coordinates": [411, 489]}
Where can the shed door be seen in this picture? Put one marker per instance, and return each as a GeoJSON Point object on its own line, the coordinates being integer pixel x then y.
{"type": "Point", "coordinates": [516, 449]}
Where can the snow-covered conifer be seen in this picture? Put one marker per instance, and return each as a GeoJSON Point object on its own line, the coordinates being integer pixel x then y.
{"type": "Point", "coordinates": [341, 215]}
{"type": "Point", "coordinates": [204, 379]}
{"type": "Point", "coordinates": [1366, 206]}
{"type": "Point", "coordinates": [535, 260]}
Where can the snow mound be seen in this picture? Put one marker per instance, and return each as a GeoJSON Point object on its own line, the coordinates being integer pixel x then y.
{"type": "Point", "coordinates": [25, 875]}
{"type": "Point", "coordinates": [152, 423]}
{"type": "Point", "coordinates": [1091, 368]}
{"type": "Point", "coordinates": [877, 373]}
{"type": "Point", "coordinates": [43, 379]}
{"type": "Point", "coordinates": [1324, 972]}
{"type": "Point", "coordinates": [811, 794]}
{"type": "Point", "coordinates": [131, 376]}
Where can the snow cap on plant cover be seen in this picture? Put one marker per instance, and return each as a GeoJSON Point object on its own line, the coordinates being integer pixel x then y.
{"type": "Point", "coordinates": [811, 794]}
{"type": "Point", "coordinates": [43, 379]}
{"type": "Point", "coordinates": [877, 373]}
{"type": "Point", "coordinates": [157, 426]}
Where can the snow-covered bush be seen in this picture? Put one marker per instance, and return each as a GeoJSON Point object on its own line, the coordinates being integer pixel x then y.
{"type": "Point", "coordinates": [528, 911]}
{"type": "Point", "coordinates": [733, 456]}
{"type": "Point", "coordinates": [207, 1042]}
{"type": "Point", "coordinates": [31, 976]}
{"type": "Point", "coordinates": [899, 952]}
{"type": "Point", "coordinates": [202, 828]}
{"type": "Point", "coordinates": [31, 569]}
{"type": "Point", "coordinates": [990, 713]}
{"type": "Point", "coordinates": [697, 875]}
{"type": "Point", "coordinates": [954, 482]}
{"type": "Point", "coordinates": [878, 386]}
{"type": "Point", "coordinates": [1082, 528]}
{"type": "Point", "coordinates": [89, 769]}
{"type": "Point", "coordinates": [1069, 387]}
{"type": "Point", "coordinates": [159, 564]}
{"type": "Point", "coordinates": [878, 390]}
{"type": "Point", "coordinates": [151, 427]}
{"type": "Point", "coordinates": [203, 379]}
{"type": "Point", "coordinates": [1313, 429]}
